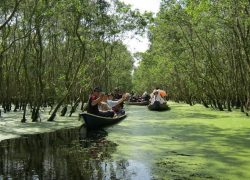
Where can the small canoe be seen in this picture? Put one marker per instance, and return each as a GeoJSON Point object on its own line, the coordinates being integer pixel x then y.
{"type": "Point", "coordinates": [158, 107]}
{"type": "Point", "coordinates": [143, 103]}
{"type": "Point", "coordinates": [96, 122]}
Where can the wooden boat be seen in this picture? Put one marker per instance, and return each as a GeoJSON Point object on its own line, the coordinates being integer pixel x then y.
{"type": "Point", "coordinates": [158, 107]}
{"type": "Point", "coordinates": [143, 103]}
{"type": "Point", "coordinates": [96, 122]}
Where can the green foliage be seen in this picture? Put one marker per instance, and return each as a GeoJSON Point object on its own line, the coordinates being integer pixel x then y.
{"type": "Point", "coordinates": [200, 52]}
{"type": "Point", "coordinates": [56, 50]}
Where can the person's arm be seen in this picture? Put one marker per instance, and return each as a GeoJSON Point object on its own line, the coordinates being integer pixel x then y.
{"type": "Point", "coordinates": [125, 97]}
{"type": "Point", "coordinates": [98, 100]}
{"type": "Point", "coordinates": [114, 103]}
{"type": "Point", "coordinates": [122, 99]}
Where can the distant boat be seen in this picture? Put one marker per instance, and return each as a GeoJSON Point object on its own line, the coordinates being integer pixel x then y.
{"type": "Point", "coordinates": [96, 122]}
{"type": "Point", "coordinates": [158, 107]}
{"type": "Point", "coordinates": [143, 103]}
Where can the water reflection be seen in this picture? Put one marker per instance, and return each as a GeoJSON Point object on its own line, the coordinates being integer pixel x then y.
{"type": "Point", "coordinates": [65, 154]}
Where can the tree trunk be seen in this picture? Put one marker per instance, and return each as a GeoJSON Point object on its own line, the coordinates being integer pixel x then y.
{"type": "Point", "coordinates": [24, 113]}
{"type": "Point", "coordinates": [64, 110]}
{"type": "Point", "coordinates": [53, 115]}
{"type": "Point", "coordinates": [73, 109]}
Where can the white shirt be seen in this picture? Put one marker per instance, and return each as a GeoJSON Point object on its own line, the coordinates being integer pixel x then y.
{"type": "Point", "coordinates": [112, 103]}
{"type": "Point", "coordinates": [157, 98]}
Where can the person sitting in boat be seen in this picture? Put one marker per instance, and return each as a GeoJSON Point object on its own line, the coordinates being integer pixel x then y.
{"type": "Point", "coordinates": [108, 103]}
{"type": "Point", "coordinates": [152, 94]}
{"type": "Point", "coordinates": [156, 98]}
{"type": "Point", "coordinates": [145, 96]}
{"type": "Point", "coordinates": [103, 105]}
{"type": "Point", "coordinates": [117, 94]}
{"type": "Point", "coordinates": [135, 98]}
{"type": "Point", "coordinates": [116, 104]}
{"type": "Point", "coordinates": [94, 100]}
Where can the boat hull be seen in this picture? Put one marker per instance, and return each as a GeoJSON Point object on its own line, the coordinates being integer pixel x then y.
{"type": "Point", "coordinates": [96, 122]}
{"type": "Point", "coordinates": [158, 107]}
{"type": "Point", "coordinates": [143, 103]}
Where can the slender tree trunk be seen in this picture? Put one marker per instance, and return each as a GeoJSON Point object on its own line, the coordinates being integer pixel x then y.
{"type": "Point", "coordinates": [23, 120]}
{"type": "Point", "coordinates": [73, 109]}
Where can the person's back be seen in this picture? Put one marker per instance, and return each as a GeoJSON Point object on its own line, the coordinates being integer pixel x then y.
{"type": "Point", "coordinates": [157, 98]}
{"type": "Point", "coordinates": [90, 108]}
{"type": "Point", "coordinates": [160, 99]}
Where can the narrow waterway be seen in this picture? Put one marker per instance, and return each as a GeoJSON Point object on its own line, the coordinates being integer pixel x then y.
{"type": "Point", "coordinates": [183, 143]}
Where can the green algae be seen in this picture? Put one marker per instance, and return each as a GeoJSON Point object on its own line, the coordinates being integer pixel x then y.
{"type": "Point", "coordinates": [187, 142]}
{"type": "Point", "coordinates": [11, 126]}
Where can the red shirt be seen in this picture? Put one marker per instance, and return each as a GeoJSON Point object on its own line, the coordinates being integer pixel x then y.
{"type": "Point", "coordinates": [92, 109]}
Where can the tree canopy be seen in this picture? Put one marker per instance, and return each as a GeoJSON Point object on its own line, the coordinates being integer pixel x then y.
{"type": "Point", "coordinates": [56, 51]}
{"type": "Point", "coordinates": [199, 53]}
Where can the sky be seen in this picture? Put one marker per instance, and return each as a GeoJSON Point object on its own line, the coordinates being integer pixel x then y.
{"type": "Point", "coordinates": [141, 44]}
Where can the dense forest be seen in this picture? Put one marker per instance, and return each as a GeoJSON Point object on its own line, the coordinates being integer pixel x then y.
{"type": "Point", "coordinates": [199, 53]}
{"type": "Point", "coordinates": [54, 52]}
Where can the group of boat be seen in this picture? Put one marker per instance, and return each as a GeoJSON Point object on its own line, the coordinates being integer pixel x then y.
{"type": "Point", "coordinates": [153, 107]}
{"type": "Point", "coordinates": [96, 122]}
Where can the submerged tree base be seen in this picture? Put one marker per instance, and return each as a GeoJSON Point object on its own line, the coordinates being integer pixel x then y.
{"type": "Point", "coordinates": [12, 127]}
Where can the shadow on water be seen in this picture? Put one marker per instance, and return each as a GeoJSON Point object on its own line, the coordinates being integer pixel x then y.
{"type": "Point", "coordinates": [64, 154]}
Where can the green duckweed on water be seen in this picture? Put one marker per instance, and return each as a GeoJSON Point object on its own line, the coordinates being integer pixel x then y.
{"type": "Point", "coordinates": [187, 142]}
{"type": "Point", "coordinates": [11, 126]}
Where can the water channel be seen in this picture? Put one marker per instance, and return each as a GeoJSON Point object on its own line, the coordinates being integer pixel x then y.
{"type": "Point", "coordinates": [146, 145]}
